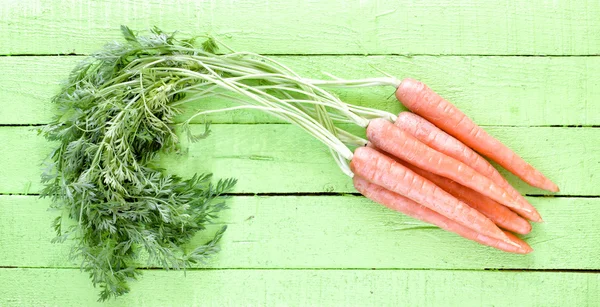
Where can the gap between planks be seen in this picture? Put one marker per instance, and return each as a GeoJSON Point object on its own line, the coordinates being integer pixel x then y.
{"type": "Point", "coordinates": [271, 123]}
{"type": "Point", "coordinates": [336, 269]}
{"type": "Point", "coordinates": [347, 54]}
{"type": "Point", "coordinates": [319, 194]}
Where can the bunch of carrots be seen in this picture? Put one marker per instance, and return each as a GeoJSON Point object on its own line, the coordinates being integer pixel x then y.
{"type": "Point", "coordinates": [427, 165]}
{"type": "Point", "coordinates": [118, 110]}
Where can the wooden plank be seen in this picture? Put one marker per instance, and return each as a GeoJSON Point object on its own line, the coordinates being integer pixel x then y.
{"type": "Point", "coordinates": [283, 158]}
{"type": "Point", "coordinates": [332, 232]}
{"type": "Point", "coordinates": [314, 27]}
{"type": "Point", "coordinates": [30, 287]}
{"type": "Point", "coordinates": [514, 91]}
{"type": "Point", "coordinates": [27, 86]}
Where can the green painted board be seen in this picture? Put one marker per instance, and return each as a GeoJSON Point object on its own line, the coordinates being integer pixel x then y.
{"type": "Point", "coordinates": [513, 91]}
{"type": "Point", "coordinates": [283, 158]}
{"type": "Point", "coordinates": [333, 232]}
{"type": "Point", "coordinates": [314, 27]}
{"type": "Point", "coordinates": [29, 287]}
{"type": "Point", "coordinates": [528, 71]}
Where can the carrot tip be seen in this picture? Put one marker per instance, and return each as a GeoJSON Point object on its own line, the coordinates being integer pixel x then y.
{"type": "Point", "coordinates": [536, 218]}
{"type": "Point", "coordinates": [527, 249]}
{"type": "Point", "coordinates": [513, 243]}
{"type": "Point", "coordinates": [552, 187]}
{"type": "Point", "coordinates": [520, 206]}
{"type": "Point", "coordinates": [523, 229]}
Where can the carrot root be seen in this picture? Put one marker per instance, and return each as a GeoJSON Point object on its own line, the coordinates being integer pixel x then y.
{"type": "Point", "coordinates": [500, 215]}
{"type": "Point", "coordinates": [395, 141]}
{"type": "Point", "coordinates": [402, 204]}
{"type": "Point", "coordinates": [423, 101]}
{"type": "Point", "coordinates": [439, 140]}
{"type": "Point", "coordinates": [386, 172]}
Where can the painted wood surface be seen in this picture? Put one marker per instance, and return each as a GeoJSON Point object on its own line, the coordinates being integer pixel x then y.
{"type": "Point", "coordinates": [444, 27]}
{"type": "Point", "coordinates": [529, 71]}
{"type": "Point", "coordinates": [333, 232]}
{"type": "Point", "coordinates": [270, 158]}
{"type": "Point", "coordinates": [507, 91]}
{"type": "Point", "coordinates": [29, 287]}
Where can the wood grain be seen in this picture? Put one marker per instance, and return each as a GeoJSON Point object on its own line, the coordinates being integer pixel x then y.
{"type": "Point", "coordinates": [29, 287]}
{"type": "Point", "coordinates": [523, 69]}
{"type": "Point", "coordinates": [314, 27]}
{"type": "Point", "coordinates": [282, 158]}
{"type": "Point", "coordinates": [332, 232]}
{"type": "Point", "coordinates": [513, 91]}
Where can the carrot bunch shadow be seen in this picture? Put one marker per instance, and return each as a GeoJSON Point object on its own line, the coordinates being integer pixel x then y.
{"type": "Point", "coordinates": [427, 166]}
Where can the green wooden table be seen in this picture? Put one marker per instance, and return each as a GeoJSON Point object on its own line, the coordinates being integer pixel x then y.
{"type": "Point", "coordinates": [298, 234]}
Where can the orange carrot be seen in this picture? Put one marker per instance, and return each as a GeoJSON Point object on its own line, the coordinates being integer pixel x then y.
{"type": "Point", "coordinates": [402, 204]}
{"type": "Point", "coordinates": [497, 213]}
{"type": "Point", "coordinates": [386, 172]}
{"type": "Point", "coordinates": [393, 140]}
{"type": "Point", "coordinates": [439, 140]}
{"type": "Point", "coordinates": [420, 99]}
{"type": "Point", "coordinates": [500, 215]}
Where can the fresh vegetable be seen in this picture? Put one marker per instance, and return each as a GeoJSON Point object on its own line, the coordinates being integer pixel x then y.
{"type": "Point", "coordinates": [439, 140]}
{"type": "Point", "coordinates": [393, 140]}
{"type": "Point", "coordinates": [382, 170]}
{"type": "Point", "coordinates": [423, 101]}
{"type": "Point", "coordinates": [402, 204]}
{"type": "Point", "coordinates": [500, 215]}
{"type": "Point", "coordinates": [117, 114]}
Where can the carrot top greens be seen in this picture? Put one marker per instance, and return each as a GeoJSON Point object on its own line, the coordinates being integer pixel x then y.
{"type": "Point", "coordinates": [113, 121]}
{"type": "Point", "coordinates": [116, 113]}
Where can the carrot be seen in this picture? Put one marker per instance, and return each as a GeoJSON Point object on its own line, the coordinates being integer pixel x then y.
{"type": "Point", "coordinates": [386, 172]}
{"type": "Point", "coordinates": [439, 140]}
{"type": "Point", "coordinates": [393, 140]}
{"type": "Point", "coordinates": [402, 204]}
{"type": "Point", "coordinates": [500, 215]}
{"type": "Point", "coordinates": [420, 99]}
{"type": "Point", "coordinates": [497, 213]}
